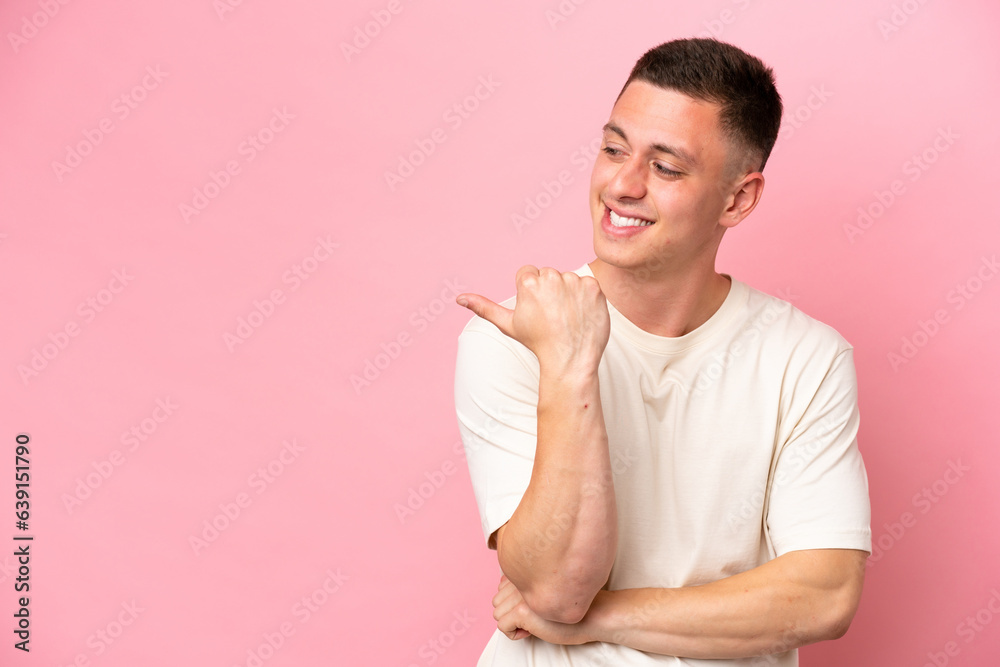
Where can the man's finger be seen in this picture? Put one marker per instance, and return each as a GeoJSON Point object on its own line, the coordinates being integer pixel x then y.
{"type": "Point", "coordinates": [488, 310]}
{"type": "Point", "coordinates": [526, 270]}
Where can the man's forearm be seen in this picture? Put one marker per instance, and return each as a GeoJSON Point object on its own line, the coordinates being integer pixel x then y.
{"type": "Point", "coordinates": [560, 543]}
{"type": "Point", "coordinates": [794, 600]}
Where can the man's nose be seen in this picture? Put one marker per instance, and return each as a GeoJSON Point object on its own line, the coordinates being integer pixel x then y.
{"type": "Point", "coordinates": [629, 181]}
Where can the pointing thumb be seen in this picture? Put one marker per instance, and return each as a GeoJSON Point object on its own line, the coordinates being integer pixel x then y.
{"type": "Point", "coordinates": [488, 310]}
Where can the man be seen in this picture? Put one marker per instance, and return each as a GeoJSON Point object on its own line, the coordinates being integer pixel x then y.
{"type": "Point", "coordinates": [664, 458]}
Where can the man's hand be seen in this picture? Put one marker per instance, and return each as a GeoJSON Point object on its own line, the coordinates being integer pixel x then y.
{"type": "Point", "coordinates": [516, 620]}
{"type": "Point", "coordinates": [561, 317]}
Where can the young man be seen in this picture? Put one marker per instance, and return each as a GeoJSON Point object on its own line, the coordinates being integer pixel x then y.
{"type": "Point", "coordinates": [664, 458]}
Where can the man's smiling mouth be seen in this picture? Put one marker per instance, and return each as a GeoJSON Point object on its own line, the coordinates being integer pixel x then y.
{"type": "Point", "coordinates": [623, 221]}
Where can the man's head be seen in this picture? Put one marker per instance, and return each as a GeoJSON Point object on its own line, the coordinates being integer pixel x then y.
{"type": "Point", "coordinates": [681, 156]}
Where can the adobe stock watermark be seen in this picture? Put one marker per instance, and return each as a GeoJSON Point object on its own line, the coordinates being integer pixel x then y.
{"type": "Point", "coordinates": [101, 640]}
{"type": "Point", "coordinates": [230, 511]}
{"type": "Point", "coordinates": [794, 460]}
{"type": "Point", "coordinates": [923, 502]}
{"type": "Point", "coordinates": [434, 480]}
{"type": "Point", "coordinates": [899, 16]}
{"type": "Point", "coordinates": [550, 190]}
{"type": "Point", "coordinates": [121, 108]}
{"type": "Point", "coordinates": [263, 309]}
{"type": "Point", "coordinates": [365, 34]}
{"type": "Point", "coordinates": [721, 360]}
{"type": "Point", "coordinates": [59, 340]}
{"type": "Point", "coordinates": [794, 119]}
{"type": "Point", "coordinates": [427, 488]}
{"type": "Point", "coordinates": [454, 117]}
{"type": "Point", "coordinates": [132, 439]}
{"type": "Point", "coordinates": [750, 508]}
{"type": "Point", "coordinates": [476, 437]}
{"type": "Point", "coordinates": [958, 297]}
{"type": "Point", "coordinates": [224, 7]}
{"type": "Point", "coordinates": [248, 150]}
{"type": "Point", "coordinates": [562, 12]}
{"type": "Point", "coordinates": [607, 656]}
{"type": "Point", "coordinates": [302, 611]}
{"type": "Point", "coordinates": [419, 320]}
{"type": "Point", "coordinates": [435, 647]}
{"type": "Point", "coordinates": [638, 615]}
{"type": "Point", "coordinates": [971, 627]}
{"type": "Point", "coordinates": [715, 27]}
{"type": "Point", "coordinates": [621, 461]}
{"type": "Point", "coordinates": [32, 24]}
{"type": "Point", "coordinates": [791, 638]}
{"type": "Point", "coordinates": [915, 167]}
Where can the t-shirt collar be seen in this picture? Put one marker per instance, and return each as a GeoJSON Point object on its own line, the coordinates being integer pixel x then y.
{"type": "Point", "coordinates": [735, 300]}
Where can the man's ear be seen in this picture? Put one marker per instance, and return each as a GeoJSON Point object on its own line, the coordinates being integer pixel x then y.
{"type": "Point", "coordinates": [742, 199]}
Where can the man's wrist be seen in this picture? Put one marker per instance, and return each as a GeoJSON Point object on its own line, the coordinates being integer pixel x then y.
{"type": "Point", "coordinates": [598, 625]}
{"type": "Point", "coordinates": [568, 373]}
{"type": "Point", "coordinates": [568, 391]}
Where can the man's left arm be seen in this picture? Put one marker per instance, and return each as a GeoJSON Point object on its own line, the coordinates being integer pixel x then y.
{"type": "Point", "coordinates": [796, 599]}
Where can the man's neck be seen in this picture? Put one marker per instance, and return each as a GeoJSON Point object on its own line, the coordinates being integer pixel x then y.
{"type": "Point", "coordinates": [666, 303]}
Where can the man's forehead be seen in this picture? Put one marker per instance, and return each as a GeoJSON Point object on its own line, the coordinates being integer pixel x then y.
{"type": "Point", "coordinates": [665, 97]}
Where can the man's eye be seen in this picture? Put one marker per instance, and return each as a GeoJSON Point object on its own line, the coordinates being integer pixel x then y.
{"type": "Point", "coordinates": [663, 170]}
{"type": "Point", "coordinates": [611, 151]}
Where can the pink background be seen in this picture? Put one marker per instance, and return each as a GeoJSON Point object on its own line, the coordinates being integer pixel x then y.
{"type": "Point", "coordinates": [868, 86]}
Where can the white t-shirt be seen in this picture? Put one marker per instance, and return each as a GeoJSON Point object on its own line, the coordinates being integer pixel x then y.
{"type": "Point", "coordinates": [730, 445]}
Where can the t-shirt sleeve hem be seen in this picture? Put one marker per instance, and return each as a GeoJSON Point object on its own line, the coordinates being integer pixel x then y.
{"type": "Point", "coordinates": [497, 514]}
{"type": "Point", "coordinates": [860, 540]}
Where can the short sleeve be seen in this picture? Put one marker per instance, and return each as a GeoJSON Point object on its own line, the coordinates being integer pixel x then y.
{"type": "Point", "coordinates": [819, 492]}
{"type": "Point", "coordinates": [496, 402]}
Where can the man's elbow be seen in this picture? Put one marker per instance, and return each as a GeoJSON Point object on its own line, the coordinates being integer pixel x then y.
{"type": "Point", "coordinates": [839, 623]}
{"type": "Point", "coordinates": [831, 623]}
{"type": "Point", "coordinates": [565, 595]}
{"type": "Point", "coordinates": [841, 611]}
{"type": "Point", "coordinates": [560, 605]}
{"type": "Point", "coordinates": [567, 598]}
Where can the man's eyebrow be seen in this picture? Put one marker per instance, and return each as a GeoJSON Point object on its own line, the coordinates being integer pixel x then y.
{"type": "Point", "coordinates": [662, 148]}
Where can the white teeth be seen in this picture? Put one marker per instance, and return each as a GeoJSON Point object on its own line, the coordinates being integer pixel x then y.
{"type": "Point", "coordinates": [619, 221]}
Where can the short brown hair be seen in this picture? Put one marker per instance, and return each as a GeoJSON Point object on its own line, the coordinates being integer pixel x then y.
{"type": "Point", "coordinates": [717, 72]}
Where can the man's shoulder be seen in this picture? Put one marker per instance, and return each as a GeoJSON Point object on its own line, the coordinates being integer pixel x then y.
{"type": "Point", "coordinates": [785, 324]}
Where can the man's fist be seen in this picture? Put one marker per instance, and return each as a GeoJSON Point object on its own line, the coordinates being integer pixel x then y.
{"type": "Point", "coordinates": [561, 317]}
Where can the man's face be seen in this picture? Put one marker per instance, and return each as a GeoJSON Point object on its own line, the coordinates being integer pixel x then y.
{"type": "Point", "coordinates": [663, 160]}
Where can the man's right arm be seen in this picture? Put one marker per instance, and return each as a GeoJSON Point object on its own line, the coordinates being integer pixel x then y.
{"type": "Point", "coordinates": [559, 544]}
